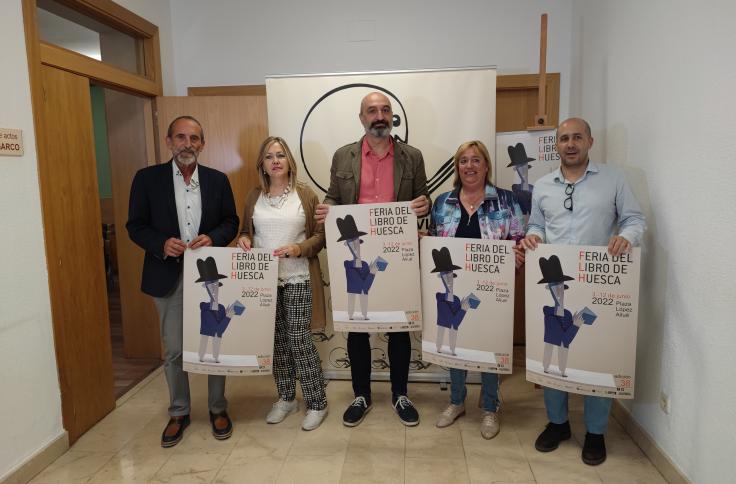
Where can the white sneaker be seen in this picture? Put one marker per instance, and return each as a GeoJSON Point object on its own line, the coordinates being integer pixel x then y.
{"type": "Point", "coordinates": [281, 410]}
{"type": "Point", "coordinates": [490, 425]}
{"type": "Point", "coordinates": [450, 414]}
{"type": "Point", "coordinates": [313, 419]}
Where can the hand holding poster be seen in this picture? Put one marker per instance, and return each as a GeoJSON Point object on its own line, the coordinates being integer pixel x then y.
{"type": "Point", "coordinates": [229, 310]}
{"type": "Point", "coordinates": [468, 303]}
{"type": "Point", "coordinates": [582, 307]}
{"type": "Point", "coordinates": [374, 270]}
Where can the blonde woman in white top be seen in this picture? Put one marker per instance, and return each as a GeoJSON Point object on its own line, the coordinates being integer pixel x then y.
{"type": "Point", "coordinates": [279, 215]}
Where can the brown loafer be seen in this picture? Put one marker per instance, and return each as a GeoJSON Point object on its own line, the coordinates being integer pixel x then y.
{"type": "Point", "coordinates": [222, 426]}
{"type": "Point", "coordinates": [174, 431]}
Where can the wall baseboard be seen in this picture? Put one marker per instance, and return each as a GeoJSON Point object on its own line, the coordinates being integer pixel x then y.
{"type": "Point", "coordinates": [37, 462]}
{"type": "Point", "coordinates": [656, 455]}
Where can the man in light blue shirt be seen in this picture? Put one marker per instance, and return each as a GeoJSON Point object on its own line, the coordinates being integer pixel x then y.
{"type": "Point", "coordinates": [581, 203]}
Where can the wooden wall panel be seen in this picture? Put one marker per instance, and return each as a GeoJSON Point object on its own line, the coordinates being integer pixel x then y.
{"type": "Point", "coordinates": [74, 250]}
{"type": "Point", "coordinates": [252, 90]}
{"type": "Point", "coordinates": [234, 128]}
{"type": "Point", "coordinates": [516, 101]}
{"type": "Point", "coordinates": [127, 139]}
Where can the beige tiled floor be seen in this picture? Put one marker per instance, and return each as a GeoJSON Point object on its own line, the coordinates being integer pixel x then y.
{"type": "Point", "coordinates": [124, 447]}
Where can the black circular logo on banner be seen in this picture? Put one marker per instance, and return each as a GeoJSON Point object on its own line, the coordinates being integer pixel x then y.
{"type": "Point", "coordinates": [399, 120]}
{"type": "Point", "coordinates": [400, 127]}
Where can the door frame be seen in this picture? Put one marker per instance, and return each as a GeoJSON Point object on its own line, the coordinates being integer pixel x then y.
{"type": "Point", "coordinates": [148, 85]}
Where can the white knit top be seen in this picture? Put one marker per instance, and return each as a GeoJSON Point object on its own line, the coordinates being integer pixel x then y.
{"type": "Point", "coordinates": [275, 227]}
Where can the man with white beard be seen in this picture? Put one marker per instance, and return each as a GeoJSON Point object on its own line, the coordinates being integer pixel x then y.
{"type": "Point", "coordinates": [174, 207]}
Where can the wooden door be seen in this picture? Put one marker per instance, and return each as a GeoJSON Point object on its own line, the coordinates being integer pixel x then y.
{"type": "Point", "coordinates": [234, 128]}
{"type": "Point", "coordinates": [130, 141]}
{"type": "Point", "coordinates": [74, 250]}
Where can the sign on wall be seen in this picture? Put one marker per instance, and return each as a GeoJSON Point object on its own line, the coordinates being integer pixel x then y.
{"type": "Point", "coordinates": [11, 142]}
{"type": "Point", "coordinates": [581, 319]}
{"type": "Point", "coordinates": [229, 310]}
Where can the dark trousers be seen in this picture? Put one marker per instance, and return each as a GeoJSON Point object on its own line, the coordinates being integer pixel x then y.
{"type": "Point", "coordinates": [359, 352]}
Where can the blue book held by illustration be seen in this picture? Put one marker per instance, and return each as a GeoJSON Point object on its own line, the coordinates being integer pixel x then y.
{"type": "Point", "coordinates": [473, 300]}
{"type": "Point", "coordinates": [588, 315]}
{"type": "Point", "coordinates": [239, 308]}
{"type": "Point", "coordinates": [381, 263]}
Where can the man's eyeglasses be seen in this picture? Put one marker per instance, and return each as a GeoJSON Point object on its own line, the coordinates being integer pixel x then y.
{"type": "Point", "coordinates": [569, 189]}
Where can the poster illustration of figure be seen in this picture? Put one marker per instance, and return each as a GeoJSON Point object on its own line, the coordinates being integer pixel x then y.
{"type": "Point", "coordinates": [372, 251]}
{"type": "Point", "coordinates": [523, 189]}
{"type": "Point", "coordinates": [514, 170]}
{"type": "Point", "coordinates": [450, 309]}
{"type": "Point", "coordinates": [229, 310]}
{"type": "Point", "coordinates": [214, 318]}
{"type": "Point", "coordinates": [359, 276]}
{"type": "Point", "coordinates": [582, 303]}
{"type": "Point", "coordinates": [456, 334]}
{"type": "Point", "coordinates": [560, 326]}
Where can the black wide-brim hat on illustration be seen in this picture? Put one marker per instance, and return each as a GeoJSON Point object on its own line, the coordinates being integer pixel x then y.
{"type": "Point", "coordinates": [348, 229]}
{"type": "Point", "coordinates": [552, 271]}
{"type": "Point", "coordinates": [208, 270]}
{"type": "Point", "coordinates": [518, 156]}
{"type": "Point", "coordinates": [443, 261]}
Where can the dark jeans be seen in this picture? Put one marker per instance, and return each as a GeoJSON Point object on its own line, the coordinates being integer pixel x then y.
{"type": "Point", "coordinates": [359, 352]}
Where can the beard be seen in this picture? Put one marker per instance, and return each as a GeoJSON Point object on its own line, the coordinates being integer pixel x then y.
{"type": "Point", "coordinates": [185, 157]}
{"type": "Point", "coordinates": [379, 129]}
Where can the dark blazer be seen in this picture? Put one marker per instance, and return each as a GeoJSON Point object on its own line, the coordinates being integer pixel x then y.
{"type": "Point", "coordinates": [152, 219]}
{"type": "Point", "coordinates": [410, 178]}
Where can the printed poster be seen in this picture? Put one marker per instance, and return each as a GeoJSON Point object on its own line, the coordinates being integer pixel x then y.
{"type": "Point", "coordinates": [229, 310]}
{"type": "Point", "coordinates": [468, 303]}
{"type": "Point", "coordinates": [372, 252]}
{"type": "Point", "coordinates": [581, 319]}
{"type": "Point", "coordinates": [522, 158]}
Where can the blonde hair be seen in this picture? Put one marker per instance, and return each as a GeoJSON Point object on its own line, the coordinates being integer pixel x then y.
{"type": "Point", "coordinates": [478, 145]}
{"type": "Point", "coordinates": [263, 177]}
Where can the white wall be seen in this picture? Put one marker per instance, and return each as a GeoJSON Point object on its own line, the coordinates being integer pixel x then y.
{"type": "Point", "coordinates": [158, 12]}
{"type": "Point", "coordinates": [656, 79]}
{"type": "Point", "coordinates": [30, 400]}
{"type": "Point", "coordinates": [231, 42]}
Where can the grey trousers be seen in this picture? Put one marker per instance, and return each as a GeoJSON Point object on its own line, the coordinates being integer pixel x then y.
{"type": "Point", "coordinates": [171, 314]}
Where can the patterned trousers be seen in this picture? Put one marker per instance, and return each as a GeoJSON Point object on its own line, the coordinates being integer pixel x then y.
{"type": "Point", "coordinates": [294, 355]}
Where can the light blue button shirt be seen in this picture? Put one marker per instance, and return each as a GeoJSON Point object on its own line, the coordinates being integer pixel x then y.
{"type": "Point", "coordinates": [603, 206]}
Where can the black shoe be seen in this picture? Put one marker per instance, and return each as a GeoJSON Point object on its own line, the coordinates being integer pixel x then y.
{"type": "Point", "coordinates": [355, 413]}
{"type": "Point", "coordinates": [551, 437]}
{"type": "Point", "coordinates": [174, 431]}
{"type": "Point", "coordinates": [222, 426]}
{"type": "Point", "coordinates": [406, 411]}
{"type": "Point", "coordinates": [594, 449]}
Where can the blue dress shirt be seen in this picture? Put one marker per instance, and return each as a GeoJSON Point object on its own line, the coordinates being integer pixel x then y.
{"type": "Point", "coordinates": [603, 206]}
